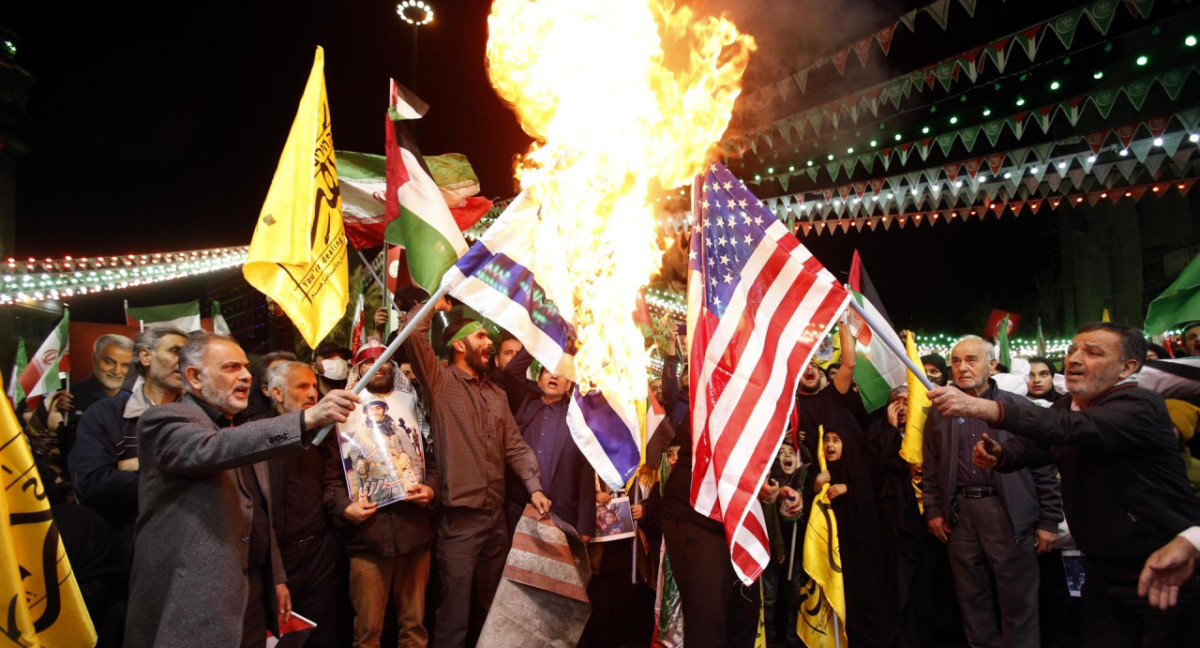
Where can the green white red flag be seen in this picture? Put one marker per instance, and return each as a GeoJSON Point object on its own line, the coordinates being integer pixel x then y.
{"type": "Point", "coordinates": [40, 375]}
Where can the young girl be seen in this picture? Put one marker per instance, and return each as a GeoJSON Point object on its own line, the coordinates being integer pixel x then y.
{"type": "Point", "coordinates": [865, 539]}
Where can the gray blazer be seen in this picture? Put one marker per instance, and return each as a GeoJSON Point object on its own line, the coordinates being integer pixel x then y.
{"type": "Point", "coordinates": [188, 586]}
{"type": "Point", "coordinates": [1031, 497]}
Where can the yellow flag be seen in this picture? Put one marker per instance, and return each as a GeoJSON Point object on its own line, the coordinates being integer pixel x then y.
{"type": "Point", "coordinates": [40, 598]}
{"type": "Point", "coordinates": [298, 254]}
{"type": "Point", "coordinates": [825, 595]}
{"type": "Point", "coordinates": [911, 449]}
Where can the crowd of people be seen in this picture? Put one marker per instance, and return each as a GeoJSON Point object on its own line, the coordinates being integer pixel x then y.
{"type": "Point", "coordinates": [197, 508]}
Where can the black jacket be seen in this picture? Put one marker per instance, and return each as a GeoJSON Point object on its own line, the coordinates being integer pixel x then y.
{"type": "Point", "coordinates": [99, 485]}
{"type": "Point", "coordinates": [1124, 487]}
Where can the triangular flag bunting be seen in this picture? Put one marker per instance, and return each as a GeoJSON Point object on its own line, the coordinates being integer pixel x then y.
{"type": "Point", "coordinates": [1028, 41]}
{"type": "Point", "coordinates": [1100, 171]}
{"type": "Point", "coordinates": [784, 87]}
{"type": "Point", "coordinates": [1140, 7]}
{"type": "Point", "coordinates": [862, 47]}
{"type": "Point", "coordinates": [1104, 101]}
{"type": "Point", "coordinates": [995, 162]}
{"type": "Point", "coordinates": [1141, 149]}
{"type": "Point", "coordinates": [992, 130]}
{"type": "Point", "coordinates": [940, 12]}
{"type": "Point", "coordinates": [969, 6]}
{"type": "Point", "coordinates": [801, 79]}
{"type": "Point", "coordinates": [1076, 176]}
{"type": "Point", "coordinates": [998, 52]}
{"type": "Point", "coordinates": [1125, 133]}
{"type": "Point", "coordinates": [1137, 91]}
{"type": "Point", "coordinates": [973, 167]}
{"type": "Point", "coordinates": [1101, 14]}
{"type": "Point", "coordinates": [1095, 140]}
{"type": "Point", "coordinates": [884, 38]}
{"type": "Point", "coordinates": [1172, 82]}
{"type": "Point", "coordinates": [1071, 109]}
{"type": "Point", "coordinates": [1158, 125]}
{"type": "Point", "coordinates": [1127, 168]}
{"type": "Point", "coordinates": [839, 60]}
{"type": "Point", "coordinates": [1064, 26]}
{"type": "Point", "coordinates": [910, 20]}
{"type": "Point", "coordinates": [1153, 163]}
{"type": "Point", "coordinates": [1171, 142]}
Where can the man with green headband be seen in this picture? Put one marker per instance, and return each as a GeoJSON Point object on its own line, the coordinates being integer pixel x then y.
{"type": "Point", "coordinates": [474, 439]}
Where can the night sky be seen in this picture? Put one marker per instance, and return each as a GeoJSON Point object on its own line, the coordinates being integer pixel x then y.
{"type": "Point", "coordinates": [157, 126]}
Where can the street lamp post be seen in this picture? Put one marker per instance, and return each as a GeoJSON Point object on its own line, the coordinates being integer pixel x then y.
{"type": "Point", "coordinates": [415, 13]}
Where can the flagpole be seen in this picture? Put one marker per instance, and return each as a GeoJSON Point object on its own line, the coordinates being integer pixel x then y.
{"type": "Point", "coordinates": [877, 325]}
{"type": "Point", "coordinates": [890, 343]}
{"type": "Point", "coordinates": [387, 325]}
{"type": "Point", "coordinates": [387, 296]}
{"type": "Point", "coordinates": [792, 554]}
{"type": "Point", "coordinates": [837, 634]}
{"type": "Point", "coordinates": [426, 309]}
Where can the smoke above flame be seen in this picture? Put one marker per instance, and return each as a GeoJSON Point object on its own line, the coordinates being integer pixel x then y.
{"type": "Point", "coordinates": [624, 99]}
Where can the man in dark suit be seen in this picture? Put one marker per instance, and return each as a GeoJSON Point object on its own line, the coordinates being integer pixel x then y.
{"type": "Point", "coordinates": [568, 478]}
{"type": "Point", "coordinates": [993, 524]}
{"type": "Point", "coordinates": [206, 571]}
{"type": "Point", "coordinates": [1124, 484]}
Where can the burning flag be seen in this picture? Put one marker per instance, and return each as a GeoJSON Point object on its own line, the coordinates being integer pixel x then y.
{"type": "Point", "coordinates": [596, 166]}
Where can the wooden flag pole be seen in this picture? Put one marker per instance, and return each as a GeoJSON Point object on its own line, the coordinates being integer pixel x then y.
{"type": "Point", "coordinates": [391, 349]}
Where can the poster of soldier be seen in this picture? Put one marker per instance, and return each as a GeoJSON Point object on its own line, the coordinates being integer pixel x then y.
{"type": "Point", "coordinates": [381, 448]}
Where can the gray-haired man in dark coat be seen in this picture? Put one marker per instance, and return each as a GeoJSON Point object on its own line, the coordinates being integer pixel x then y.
{"type": "Point", "coordinates": [206, 571]}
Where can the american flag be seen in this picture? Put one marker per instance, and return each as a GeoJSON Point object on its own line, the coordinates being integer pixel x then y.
{"type": "Point", "coordinates": [759, 303]}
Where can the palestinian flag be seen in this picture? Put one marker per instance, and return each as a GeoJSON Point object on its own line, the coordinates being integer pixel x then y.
{"type": "Point", "coordinates": [40, 375]}
{"type": "Point", "coordinates": [416, 212]}
{"type": "Point", "coordinates": [185, 316]}
{"type": "Point", "coordinates": [877, 370]}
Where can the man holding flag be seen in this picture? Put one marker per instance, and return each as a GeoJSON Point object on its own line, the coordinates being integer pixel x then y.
{"type": "Point", "coordinates": [474, 438]}
{"type": "Point", "coordinates": [758, 304]}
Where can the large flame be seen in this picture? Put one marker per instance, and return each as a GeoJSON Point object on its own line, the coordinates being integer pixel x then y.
{"type": "Point", "coordinates": [624, 99]}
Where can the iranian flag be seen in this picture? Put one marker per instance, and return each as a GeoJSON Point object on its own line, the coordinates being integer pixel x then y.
{"type": "Point", "coordinates": [416, 212]}
{"type": "Point", "coordinates": [877, 370]}
{"type": "Point", "coordinates": [220, 326]}
{"type": "Point", "coordinates": [363, 181]}
{"type": "Point", "coordinates": [40, 375]}
{"type": "Point", "coordinates": [185, 316]}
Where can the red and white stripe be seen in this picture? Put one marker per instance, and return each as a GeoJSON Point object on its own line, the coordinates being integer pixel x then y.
{"type": "Point", "coordinates": [744, 371]}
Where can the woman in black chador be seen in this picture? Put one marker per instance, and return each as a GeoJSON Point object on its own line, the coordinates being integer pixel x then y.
{"type": "Point", "coordinates": [865, 540]}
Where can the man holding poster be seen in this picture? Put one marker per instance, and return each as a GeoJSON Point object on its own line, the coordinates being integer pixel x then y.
{"type": "Point", "coordinates": [382, 462]}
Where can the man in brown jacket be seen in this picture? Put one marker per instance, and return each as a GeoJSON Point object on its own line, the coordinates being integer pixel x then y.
{"type": "Point", "coordinates": [474, 439]}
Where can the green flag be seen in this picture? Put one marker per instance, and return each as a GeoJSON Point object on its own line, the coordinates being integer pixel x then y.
{"type": "Point", "coordinates": [15, 393]}
{"type": "Point", "coordinates": [1180, 302]}
{"type": "Point", "coordinates": [1002, 343]}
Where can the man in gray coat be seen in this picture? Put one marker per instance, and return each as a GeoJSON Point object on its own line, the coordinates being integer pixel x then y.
{"type": "Point", "coordinates": [994, 524]}
{"type": "Point", "coordinates": [206, 570]}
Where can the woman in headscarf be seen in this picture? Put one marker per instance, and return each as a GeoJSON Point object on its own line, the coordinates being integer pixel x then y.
{"type": "Point", "coordinates": [1041, 380]}
{"type": "Point", "coordinates": [865, 538]}
{"type": "Point", "coordinates": [935, 369]}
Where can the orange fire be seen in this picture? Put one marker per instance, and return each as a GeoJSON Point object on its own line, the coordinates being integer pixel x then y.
{"type": "Point", "coordinates": [624, 98]}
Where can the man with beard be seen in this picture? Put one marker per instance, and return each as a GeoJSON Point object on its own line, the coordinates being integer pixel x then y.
{"type": "Point", "coordinates": [306, 545]}
{"type": "Point", "coordinates": [1124, 485]}
{"type": "Point", "coordinates": [474, 438]}
{"type": "Point", "coordinates": [389, 547]}
{"type": "Point", "coordinates": [994, 524]}
{"type": "Point", "coordinates": [207, 571]}
{"type": "Point", "coordinates": [104, 460]}
{"type": "Point", "coordinates": [569, 479]}
{"type": "Point", "coordinates": [1191, 338]}
{"type": "Point", "coordinates": [112, 356]}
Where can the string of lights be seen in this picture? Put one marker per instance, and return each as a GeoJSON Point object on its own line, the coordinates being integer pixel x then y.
{"type": "Point", "coordinates": [37, 280]}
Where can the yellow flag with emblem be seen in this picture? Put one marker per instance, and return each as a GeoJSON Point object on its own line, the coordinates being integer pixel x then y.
{"type": "Point", "coordinates": [298, 254]}
{"type": "Point", "coordinates": [42, 605]}
{"type": "Point", "coordinates": [822, 619]}
{"type": "Point", "coordinates": [911, 448]}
